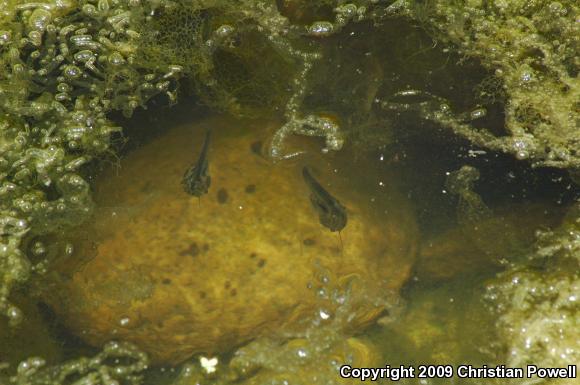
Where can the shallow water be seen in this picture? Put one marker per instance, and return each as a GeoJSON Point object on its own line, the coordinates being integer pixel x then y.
{"type": "Point", "coordinates": [441, 317]}
{"type": "Point", "coordinates": [442, 298]}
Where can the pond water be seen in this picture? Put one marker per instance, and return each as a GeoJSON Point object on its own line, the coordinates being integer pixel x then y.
{"type": "Point", "coordinates": [406, 282]}
{"type": "Point", "coordinates": [445, 257]}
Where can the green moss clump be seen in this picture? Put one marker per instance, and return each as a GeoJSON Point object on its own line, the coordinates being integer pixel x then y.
{"type": "Point", "coordinates": [117, 363]}
{"type": "Point", "coordinates": [227, 50]}
{"type": "Point", "coordinates": [64, 65]}
{"type": "Point", "coordinates": [537, 304]}
{"type": "Point", "coordinates": [532, 49]}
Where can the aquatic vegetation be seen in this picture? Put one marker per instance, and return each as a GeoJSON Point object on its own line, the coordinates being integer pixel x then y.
{"type": "Point", "coordinates": [66, 65]}
{"type": "Point", "coordinates": [236, 54]}
{"type": "Point", "coordinates": [311, 125]}
{"type": "Point", "coordinates": [118, 363]}
{"type": "Point", "coordinates": [537, 304]}
{"type": "Point", "coordinates": [471, 209]}
{"type": "Point", "coordinates": [531, 47]}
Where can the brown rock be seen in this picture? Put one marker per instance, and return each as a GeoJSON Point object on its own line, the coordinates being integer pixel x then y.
{"type": "Point", "coordinates": [177, 275]}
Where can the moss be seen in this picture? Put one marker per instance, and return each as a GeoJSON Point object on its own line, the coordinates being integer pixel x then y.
{"type": "Point", "coordinates": [64, 67]}
{"type": "Point", "coordinates": [531, 49]}
{"type": "Point", "coordinates": [537, 303]}
{"type": "Point", "coordinates": [117, 363]}
{"type": "Point", "coordinates": [227, 51]}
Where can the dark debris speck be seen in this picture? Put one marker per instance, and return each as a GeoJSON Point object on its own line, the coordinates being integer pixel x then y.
{"type": "Point", "coordinates": [192, 250]}
{"type": "Point", "coordinates": [222, 196]}
{"type": "Point", "coordinates": [256, 148]}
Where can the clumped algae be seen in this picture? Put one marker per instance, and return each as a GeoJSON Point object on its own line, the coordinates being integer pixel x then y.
{"type": "Point", "coordinates": [537, 303]}
{"type": "Point", "coordinates": [65, 65]}
{"type": "Point", "coordinates": [117, 364]}
{"type": "Point", "coordinates": [531, 47]}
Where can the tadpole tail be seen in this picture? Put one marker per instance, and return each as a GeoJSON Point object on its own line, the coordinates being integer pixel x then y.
{"type": "Point", "coordinates": [316, 187]}
{"type": "Point", "coordinates": [205, 147]}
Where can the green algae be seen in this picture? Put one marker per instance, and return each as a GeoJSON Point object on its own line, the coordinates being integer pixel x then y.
{"type": "Point", "coordinates": [537, 303]}
{"type": "Point", "coordinates": [531, 49]}
{"type": "Point", "coordinates": [117, 363]}
{"type": "Point", "coordinates": [64, 67]}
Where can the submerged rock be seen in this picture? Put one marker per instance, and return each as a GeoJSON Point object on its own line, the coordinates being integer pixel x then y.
{"type": "Point", "coordinates": [178, 275]}
{"type": "Point", "coordinates": [484, 245]}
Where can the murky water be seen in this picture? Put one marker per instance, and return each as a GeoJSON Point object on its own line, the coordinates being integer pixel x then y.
{"type": "Point", "coordinates": [431, 309]}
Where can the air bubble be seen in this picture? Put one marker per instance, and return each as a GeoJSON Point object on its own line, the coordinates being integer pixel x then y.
{"type": "Point", "coordinates": [5, 37]}
{"type": "Point", "coordinates": [38, 249]}
{"type": "Point", "coordinates": [224, 31]}
{"type": "Point", "coordinates": [61, 97]}
{"type": "Point", "coordinates": [103, 6]}
{"type": "Point", "coordinates": [116, 59]}
{"type": "Point", "coordinates": [84, 56]}
{"type": "Point", "coordinates": [302, 353]}
{"type": "Point", "coordinates": [558, 9]}
{"type": "Point", "coordinates": [39, 19]}
{"type": "Point", "coordinates": [478, 113]}
{"type": "Point", "coordinates": [72, 72]}
{"type": "Point", "coordinates": [90, 10]}
{"type": "Point", "coordinates": [14, 315]}
{"type": "Point", "coordinates": [348, 10]}
{"type": "Point", "coordinates": [521, 155]}
{"type": "Point", "coordinates": [30, 365]}
{"type": "Point", "coordinates": [324, 314]}
{"type": "Point", "coordinates": [36, 39]}
{"type": "Point", "coordinates": [321, 28]}
{"type": "Point", "coordinates": [69, 249]}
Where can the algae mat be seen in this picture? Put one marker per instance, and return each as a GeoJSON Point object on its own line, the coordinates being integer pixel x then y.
{"type": "Point", "coordinates": [178, 275]}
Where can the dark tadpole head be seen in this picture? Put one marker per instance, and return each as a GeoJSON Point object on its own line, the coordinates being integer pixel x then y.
{"type": "Point", "coordinates": [335, 219]}
{"type": "Point", "coordinates": [196, 180]}
{"type": "Point", "coordinates": [195, 186]}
